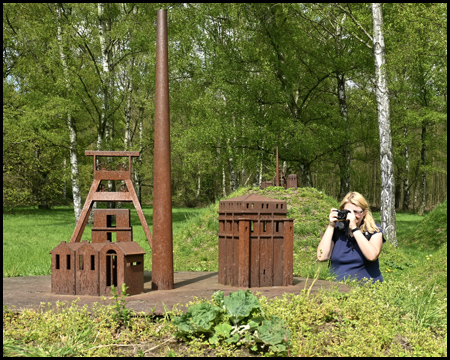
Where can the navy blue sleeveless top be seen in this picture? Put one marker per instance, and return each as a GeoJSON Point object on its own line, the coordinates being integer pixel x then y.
{"type": "Point", "coordinates": [347, 259]}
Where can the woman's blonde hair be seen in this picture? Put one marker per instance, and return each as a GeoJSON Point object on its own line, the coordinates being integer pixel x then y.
{"type": "Point", "coordinates": [355, 198]}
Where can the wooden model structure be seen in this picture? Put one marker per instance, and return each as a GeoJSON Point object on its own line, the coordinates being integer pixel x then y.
{"type": "Point", "coordinates": [255, 242]}
{"type": "Point", "coordinates": [113, 258]}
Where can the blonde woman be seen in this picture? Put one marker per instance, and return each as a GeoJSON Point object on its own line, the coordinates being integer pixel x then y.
{"type": "Point", "coordinates": [353, 253]}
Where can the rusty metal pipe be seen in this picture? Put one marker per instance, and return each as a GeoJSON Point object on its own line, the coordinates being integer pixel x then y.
{"type": "Point", "coordinates": [162, 251]}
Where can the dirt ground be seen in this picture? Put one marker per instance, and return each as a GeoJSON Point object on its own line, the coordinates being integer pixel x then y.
{"type": "Point", "coordinates": [29, 292]}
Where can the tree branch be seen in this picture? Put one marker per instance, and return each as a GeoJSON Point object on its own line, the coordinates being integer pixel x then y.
{"type": "Point", "coordinates": [359, 25]}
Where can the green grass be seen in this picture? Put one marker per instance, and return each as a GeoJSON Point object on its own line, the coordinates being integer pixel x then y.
{"type": "Point", "coordinates": [406, 315]}
{"type": "Point", "coordinates": [29, 234]}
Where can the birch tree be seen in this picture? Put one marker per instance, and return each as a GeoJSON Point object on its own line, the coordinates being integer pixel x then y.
{"type": "Point", "coordinates": [388, 219]}
{"type": "Point", "coordinates": [73, 156]}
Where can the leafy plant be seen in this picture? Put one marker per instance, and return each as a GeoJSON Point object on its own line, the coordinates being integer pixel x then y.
{"type": "Point", "coordinates": [121, 315]}
{"type": "Point", "coordinates": [235, 319]}
{"type": "Point", "coordinates": [240, 305]}
{"type": "Point", "coordinates": [199, 318]}
{"type": "Point", "coordinates": [273, 332]}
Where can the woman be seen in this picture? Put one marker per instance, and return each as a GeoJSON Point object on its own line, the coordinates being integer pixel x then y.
{"type": "Point", "coordinates": [355, 256]}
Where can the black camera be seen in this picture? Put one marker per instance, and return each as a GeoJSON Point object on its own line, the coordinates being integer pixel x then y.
{"type": "Point", "coordinates": [342, 223]}
{"type": "Point", "coordinates": [342, 215]}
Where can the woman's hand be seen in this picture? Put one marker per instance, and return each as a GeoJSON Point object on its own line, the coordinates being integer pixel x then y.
{"type": "Point", "coordinates": [351, 219]}
{"type": "Point", "coordinates": [333, 217]}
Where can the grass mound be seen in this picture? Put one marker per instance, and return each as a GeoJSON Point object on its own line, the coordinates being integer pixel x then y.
{"type": "Point", "coordinates": [196, 245]}
{"type": "Point", "coordinates": [431, 232]}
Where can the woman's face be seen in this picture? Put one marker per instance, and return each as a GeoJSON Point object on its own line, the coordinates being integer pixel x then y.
{"type": "Point", "coordinates": [359, 213]}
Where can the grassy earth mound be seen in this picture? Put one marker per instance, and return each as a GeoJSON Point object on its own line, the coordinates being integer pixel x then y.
{"type": "Point", "coordinates": [307, 206]}
{"type": "Point", "coordinates": [431, 232]}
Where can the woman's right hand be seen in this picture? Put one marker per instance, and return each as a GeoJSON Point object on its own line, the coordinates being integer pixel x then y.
{"type": "Point", "coordinates": [333, 217]}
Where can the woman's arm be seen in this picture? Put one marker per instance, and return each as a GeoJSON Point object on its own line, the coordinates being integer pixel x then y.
{"type": "Point", "coordinates": [326, 245]}
{"type": "Point", "coordinates": [370, 249]}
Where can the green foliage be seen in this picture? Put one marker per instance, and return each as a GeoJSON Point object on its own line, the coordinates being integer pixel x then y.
{"type": "Point", "coordinates": [237, 319]}
{"type": "Point", "coordinates": [244, 78]}
{"type": "Point", "coordinates": [73, 330]}
{"type": "Point", "coordinates": [198, 319]}
{"type": "Point", "coordinates": [431, 233]}
{"type": "Point", "coordinates": [240, 305]}
{"type": "Point", "coordinates": [122, 315]}
{"type": "Point", "coordinates": [273, 332]}
{"type": "Point", "coordinates": [27, 239]}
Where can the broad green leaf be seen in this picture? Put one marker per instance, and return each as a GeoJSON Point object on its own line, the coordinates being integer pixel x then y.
{"type": "Point", "coordinates": [273, 331]}
{"type": "Point", "coordinates": [198, 318]}
{"type": "Point", "coordinates": [203, 316]}
{"type": "Point", "coordinates": [240, 304]}
{"type": "Point", "coordinates": [234, 339]}
{"type": "Point", "coordinates": [223, 330]}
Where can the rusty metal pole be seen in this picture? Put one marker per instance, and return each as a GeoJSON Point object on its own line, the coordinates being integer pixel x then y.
{"type": "Point", "coordinates": [162, 251]}
{"type": "Point", "coordinates": [277, 179]}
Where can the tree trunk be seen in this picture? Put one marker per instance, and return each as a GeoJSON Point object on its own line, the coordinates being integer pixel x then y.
{"type": "Point", "coordinates": [107, 87]}
{"type": "Point", "coordinates": [388, 219]}
{"type": "Point", "coordinates": [137, 175]}
{"type": "Point", "coordinates": [305, 170]}
{"type": "Point", "coordinates": [406, 186]}
{"type": "Point", "coordinates": [127, 137]}
{"type": "Point", "coordinates": [65, 182]}
{"type": "Point", "coordinates": [260, 178]}
{"type": "Point", "coordinates": [216, 176]}
{"type": "Point", "coordinates": [73, 156]}
{"type": "Point", "coordinates": [231, 167]}
{"type": "Point", "coordinates": [199, 183]}
{"type": "Point", "coordinates": [224, 182]}
{"type": "Point", "coordinates": [232, 173]}
{"type": "Point", "coordinates": [344, 163]}
{"type": "Point", "coordinates": [103, 128]}
{"type": "Point", "coordinates": [423, 177]}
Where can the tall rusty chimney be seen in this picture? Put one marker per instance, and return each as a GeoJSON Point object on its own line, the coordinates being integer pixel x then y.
{"type": "Point", "coordinates": [162, 251]}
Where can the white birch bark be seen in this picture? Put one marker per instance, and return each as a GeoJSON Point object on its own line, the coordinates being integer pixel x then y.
{"type": "Point", "coordinates": [388, 217]}
{"type": "Point", "coordinates": [106, 125]}
{"type": "Point", "coordinates": [231, 159]}
{"type": "Point", "coordinates": [232, 172]}
{"type": "Point", "coordinates": [73, 156]}
{"type": "Point", "coordinates": [199, 182]}
{"type": "Point", "coordinates": [260, 177]}
{"type": "Point", "coordinates": [127, 137]}
{"type": "Point", "coordinates": [224, 182]}
{"type": "Point", "coordinates": [344, 163]}
{"type": "Point", "coordinates": [106, 130]}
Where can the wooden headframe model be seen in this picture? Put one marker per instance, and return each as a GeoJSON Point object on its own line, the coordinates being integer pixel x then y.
{"type": "Point", "coordinates": [102, 171]}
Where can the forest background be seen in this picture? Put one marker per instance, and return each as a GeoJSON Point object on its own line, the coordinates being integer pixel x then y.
{"type": "Point", "coordinates": [244, 78]}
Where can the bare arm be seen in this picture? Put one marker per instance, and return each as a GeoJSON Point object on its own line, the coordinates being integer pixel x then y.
{"type": "Point", "coordinates": [370, 249]}
{"type": "Point", "coordinates": [326, 245]}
